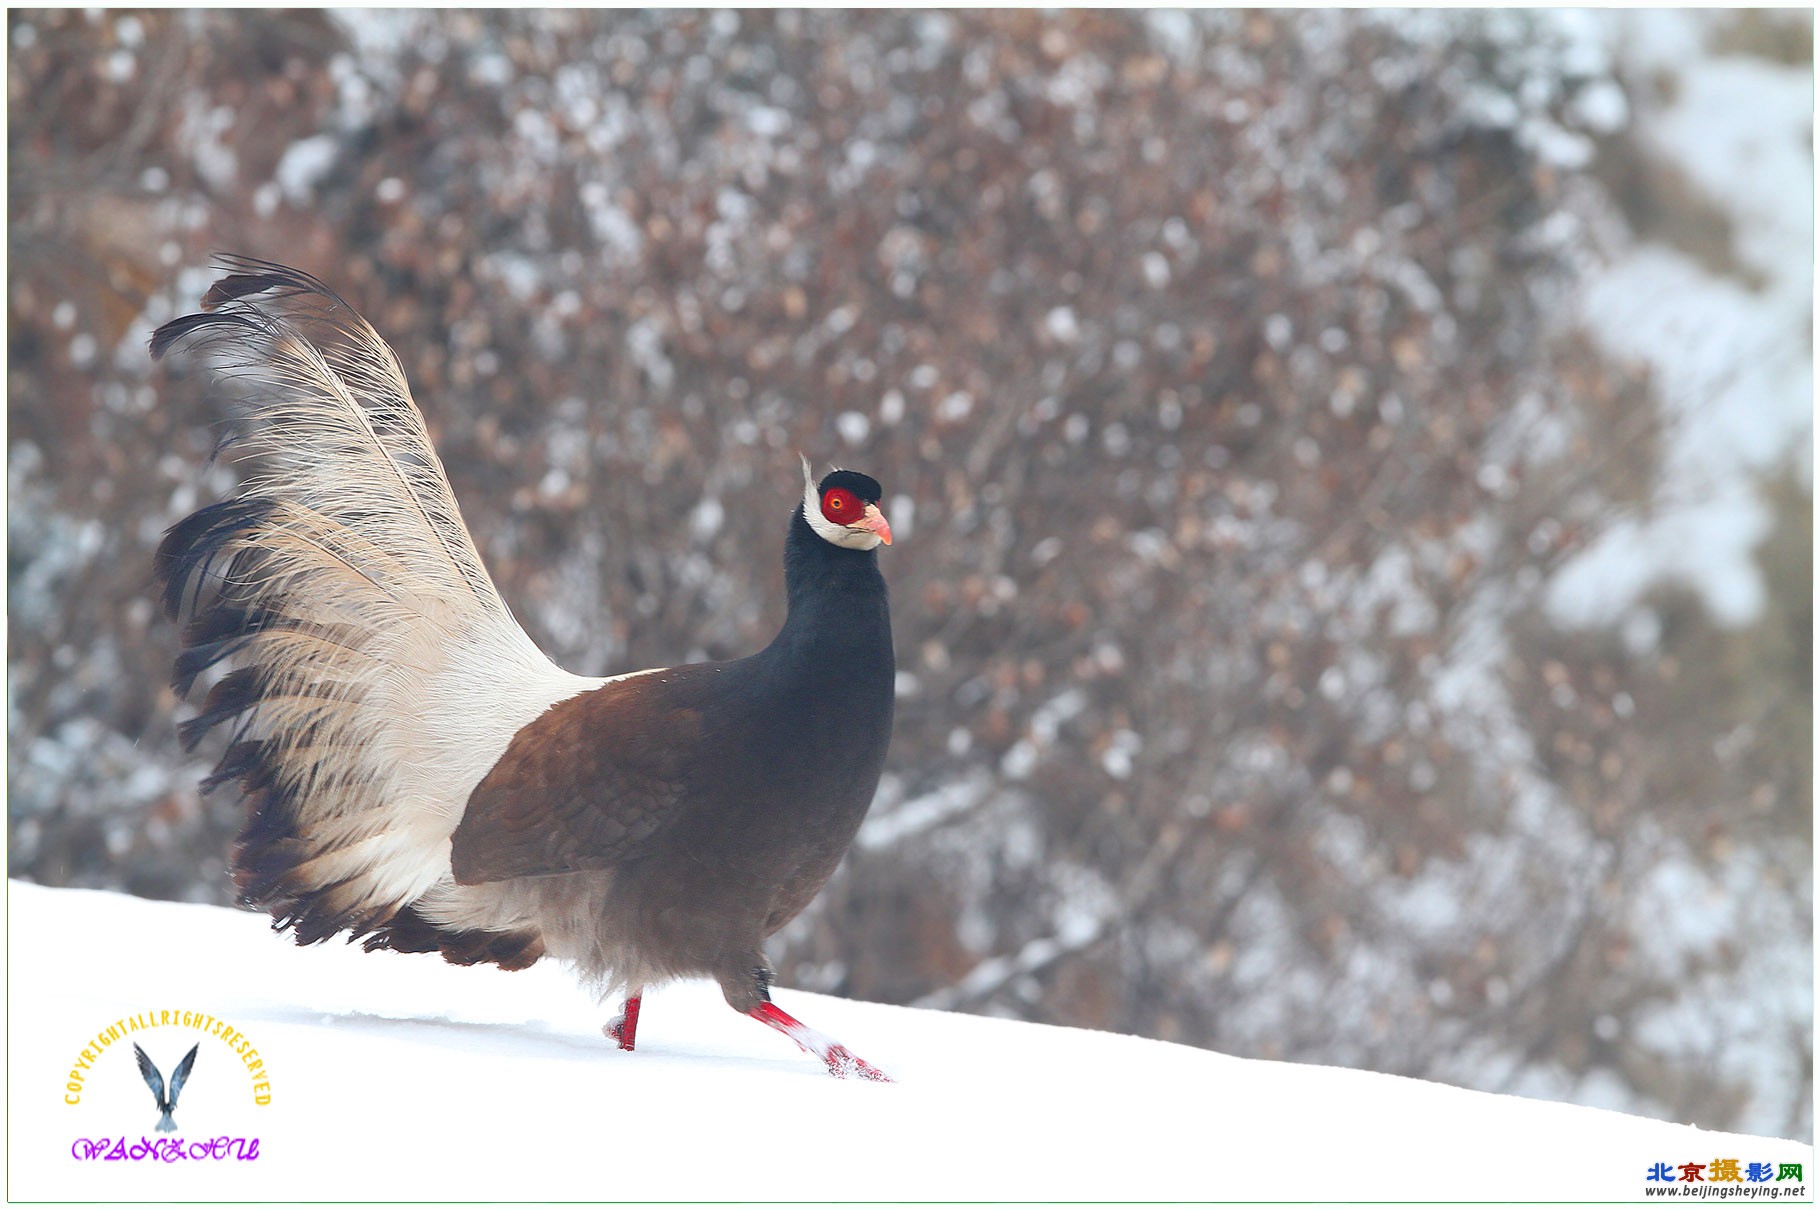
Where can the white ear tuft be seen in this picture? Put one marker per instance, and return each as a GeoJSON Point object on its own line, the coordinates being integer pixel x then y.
{"type": "Point", "coordinates": [828, 531]}
{"type": "Point", "coordinates": [812, 506]}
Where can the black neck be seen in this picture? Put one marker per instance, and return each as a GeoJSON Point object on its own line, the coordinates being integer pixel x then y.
{"type": "Point", "coordinates": [836, 596]}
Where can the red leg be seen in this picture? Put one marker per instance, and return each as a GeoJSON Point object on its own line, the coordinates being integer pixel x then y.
{"type": "Point", "coordinates": [841, 1062]}
{"type": "Point", "coordinates": [623, 1029]}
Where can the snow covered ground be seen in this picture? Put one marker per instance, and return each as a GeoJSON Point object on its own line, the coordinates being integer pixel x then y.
{"type": "Point", "coordinates": [399, 1077]}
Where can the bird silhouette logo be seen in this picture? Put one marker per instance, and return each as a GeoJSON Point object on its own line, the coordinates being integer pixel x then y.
{"type": "Point", "coordinates": [167, 1102]}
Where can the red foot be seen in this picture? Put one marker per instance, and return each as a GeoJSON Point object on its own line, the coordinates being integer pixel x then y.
{"type": "Point", "coordinates": [842, 1063]}
{"type": "Point", "coordinates": [623, 1029]}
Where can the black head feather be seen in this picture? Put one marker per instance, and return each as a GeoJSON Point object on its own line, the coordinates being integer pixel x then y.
{"type": "Point", "coordinates": [863, 486]}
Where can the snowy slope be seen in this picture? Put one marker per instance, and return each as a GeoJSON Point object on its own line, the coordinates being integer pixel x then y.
{"type": "Point", "coordinates": [397, 1076]}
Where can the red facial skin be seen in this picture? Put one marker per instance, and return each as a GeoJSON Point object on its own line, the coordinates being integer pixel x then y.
{"type": "Point", "coordinates": [844, 508]}
{"type": "Point", "coordinates": [841, 506]}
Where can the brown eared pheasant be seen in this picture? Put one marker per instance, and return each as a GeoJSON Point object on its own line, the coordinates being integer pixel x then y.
{"type": "Point", "coordinates": [418, 774]}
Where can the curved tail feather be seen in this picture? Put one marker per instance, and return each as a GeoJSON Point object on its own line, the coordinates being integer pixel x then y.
{"type": "Point", "coordinates": [364, 666]}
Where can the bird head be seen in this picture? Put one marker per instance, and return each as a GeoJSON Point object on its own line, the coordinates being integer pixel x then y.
{"type": "Point", "coordinates": [843, 509]}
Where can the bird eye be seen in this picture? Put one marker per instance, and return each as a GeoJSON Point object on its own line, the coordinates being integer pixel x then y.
{"type": "Point", "coordinates": [840, 505]}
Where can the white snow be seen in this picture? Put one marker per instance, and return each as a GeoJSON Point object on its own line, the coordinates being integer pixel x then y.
{"type": "Point", "coordinates": [303, 164]}
{"type": "Point", "coordinates": [854, 428]}
{"type": "Point", "coordinates": [1733, 357]}
{"type": "Point", "coordinates": [1061, 325]}
{"type": "Point", "coordinates": [202, 130]}
{"type": "Point", "coordinates": [400, 1077]}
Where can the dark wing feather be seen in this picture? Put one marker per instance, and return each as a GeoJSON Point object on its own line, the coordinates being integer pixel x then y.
{"type": "Point", "coordinates": [183, 1073]}
{"type": "Point", "coordinates": [153, 1080]}
{"type": "Point", "coordinates": [585, 786]}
